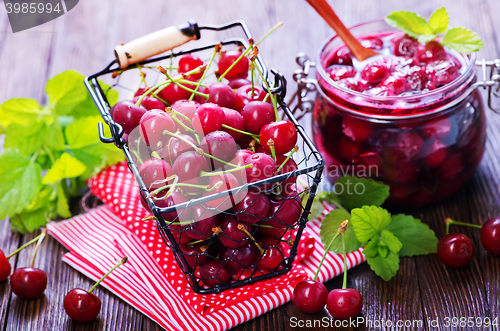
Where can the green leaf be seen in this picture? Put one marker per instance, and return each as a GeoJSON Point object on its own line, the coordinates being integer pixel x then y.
{"type": "Point", "coordinates": [20, 182]}
{"type": "Point", "coordinates": [416, 237]}
{"type": "Point", "coordinates": [414, 25]}
{"type": "Point", "coordinates": [28, 139]}
{"type": "Point", "coordinates": [462, 40]}
{"type": "Point", "coordinates": [83, 139]}
{"type": "Point", "coordinates": [29, 221]}
{"type": "Point", "coordinates": [329, 228]}
{"type": "Point", "coordinates": [439, 20]}
{"type": "Point", "coordinates": [65, 166]}
{"type": "Point", "coordinates": [66, 90]}
{"type": "Point", "coordinates": [316, 207]}
{"type": "Point", "coordinates": [367, 221]}
{"type": "Point", "coordinates": [62, 207]}
{"type": "Point", "coordinates": [425, 38]}
{"type": "Point", "coordinates": [387, 239]}
{"type": "Point", "coordinates": [384, 267]}
{"type": "Point", "coordinates": [19, 111]}
{"type": "Point", "coordinates": [371, 248]}
{"type": "Point", "coordinates": [358, 192]}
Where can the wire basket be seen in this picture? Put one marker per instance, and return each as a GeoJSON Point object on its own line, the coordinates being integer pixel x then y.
{"type": "Point", "coordinates": [233, 263]}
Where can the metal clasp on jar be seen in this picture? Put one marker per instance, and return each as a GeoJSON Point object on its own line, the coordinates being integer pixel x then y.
{"type": "Point", "coordinates": [491, 82]}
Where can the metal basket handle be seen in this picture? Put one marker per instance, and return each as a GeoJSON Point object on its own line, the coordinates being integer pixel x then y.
{"type": "Point", "coordinates": [155, 43]}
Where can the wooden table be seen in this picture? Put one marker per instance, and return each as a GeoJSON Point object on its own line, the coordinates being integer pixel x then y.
{"type": "Point", "coordinates": [84, 40]}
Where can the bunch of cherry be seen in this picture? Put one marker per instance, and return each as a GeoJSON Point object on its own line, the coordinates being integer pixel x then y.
{"type": "Point", "coordinates": [311, 296]}
{"type": "Point", "coordinates": [195, 140]}
{"type": "Point", "coordinates": [458, 250]}
{"type": "Point", "coordinates": [411, 68]}
{"type": "Point", "coordinates": [30, 283]}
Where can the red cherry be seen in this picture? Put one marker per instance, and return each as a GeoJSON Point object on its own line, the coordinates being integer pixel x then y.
{"type": "Point", "coordinates": [28, 283]}
{"type": "Point", "coordinates": [153, 171]}
{"type": "Point", "coordinates": [150, 103]}
{"type": "Point", "coordinates": [253, 207]}
{"type": "Point", "coordinates": [233, 119]}
{"type": "Point", "coordinates": [264, 167]}
{"type": "Point", "coordinates": [194, 254]}
{"type": "Point", "coordinates": [190, 62]}
{"type": "Point", "coordinates": [257, 114]}
{"type": "Point", "coordinates": [405, 46]}
{"type": "Point", "coordinates": [284, 213]}
{"type": "Point", "coordinates": [240, 69]}
{"type": "Point", "coordinates": [347, 149]}
{"type": "Point", "coordinates": [353, 84]}
{"type": "Point", "coordinates": [339, 72]}
{"type": "Point", "coordinates": [227, 182]}
{"type": "Point", "coordinates": [442, 72]}
{"type": "Point", "coordinates": [221, 94]}
{"type": "Point", "coordinates": [289, 166]}
{"type": "Point", "coordinates": [173, 92]}
{"type": "Point", "coordinates": [186, 108]}
{"type": "Point", "coordinates": [152, 126]}
{"type": "Point", "coordinates": [309, 296]}
{"type": "Point", "coordinates": [202, 228]}
{"type": "Point", "coordinates": [396, 84]}
{"type": "Point", "coordinates": [375, 72]}
{"type": "Point", "coordinates": [81, 305]}
{"type": "Point", "coordinates": [342, 56]}
{"type": "Point", "coordinates": [127, 114]}
{"type": "Point", "coordinates": [244, 96]}
{"type": "Point", "coordinates": [344, 304]}
{"type": "Point", "coordinates": [5, 267]}
{"type": "Point", "coordinates": [174, 198]}
{"type": "Point", "coordinates": [238, 82]}
{"type": "Point", "coordinates": [214, 272]}
{"type": "Point", "coordinates": [283, 135]}
{"type": "Point", "coordinates": [430, 52]}
{"type": "Point", "coordinates": [439, 129]}
{"type": "Point", "coordinates": [357, 130]}
{"type": "Point", "coordinates": [221, 145]}
{"type": "Point", "coordinates": [239, 160]}
{"type": "Point", "coordinates": [140, 91]}
{"type": "Point", "coordinates": [435, 152]}
{"type": "Point", "coordinates": [208, 118]}
{"type": "Point", "coordinates": [456, 250]}
{"type": "Point", "coordinates": [188, 167]}
{"type": "Point", "coordinates": [232, 234]}
{"type": "Point", "coordinates": [451, 167]}
{"type": "Point", "coordinates": [372, 43]}
{"type": "Point", "coordinates": [273, 254]}
{"type": "Point", "coordinates": [176, 147]}
{"type": "Point", "coordinates": [241, 257]}
{"type": "Point", "coordinates": [490, 235]}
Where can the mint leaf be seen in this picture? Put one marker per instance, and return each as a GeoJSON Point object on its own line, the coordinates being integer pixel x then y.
{"type": "Point", "coordinates": [62, 207]}
{"type": "Point", "coordinates": [83, 139]}
{"type": "Point", "coordinates": [462, 40]}
{"type": "Point", "coordinates": [65, 166]}
{"type": "Point", "coordinates": [414, 25]}
{"type": "Point", "coordinates": [28, 139]}
{"type": "Point", "coordinates": [371, 248]}
{"type": "Point", "coordinates": [19, 111]}
{"type": "Point", "coordinates": [66, 90]}
{"type": "Point", "coordinates": [417, 238]}
{"type": "Point", "coordinates": [385, 267]}
{"type": "Point", "coordinates": [439, 20]}
{"type": "Point", "coordinates": [87, 107]}
{"type": "Point", "coordinates": [387, 239]}
{"type": "Point", "coordinates": [20, 182]}
{"type": "Point", "coordinates": [26, 222]}
{"type": "Point", "coordinates": [329, 228]}
{"type": "Point", "coordinates": [367, 221]}
{"type": "Point", "coordinates": [358, 192]}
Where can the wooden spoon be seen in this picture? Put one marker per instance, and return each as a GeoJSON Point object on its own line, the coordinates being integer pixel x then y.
{"type": "Point", "coordinates": [324, 10]}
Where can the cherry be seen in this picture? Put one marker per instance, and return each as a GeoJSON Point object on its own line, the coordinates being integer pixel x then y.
{"type": "Point", "coordinates": [154, 172]}
{"type": "Point", "coordinates": [257, 114]}
{"type": "Point", "coordinates": [240, 69]}
{"type": "Point", "coordinates": [352, 84]}
{"type": "Point", "coordinates": [273, 255]}
{"type": "Point", "coordinates": [172, 92]}
{"type": "Point", "coordinates": [344, 303]}
{"type": "Point", "coordinates": [186, 108]}
{"type": "Point", "coordinates": [176, 147]}
{"type": "Point", "coordinates": [201, 229]}
{"type": "Point", "coordinates": [451, 167]}
{"type": "Point", "coordinates": [372, 43]}
{"type": "Point", "coordinates": [348, 149]}
{"type": "Point", "coordinates": [221, 145]}
{"type": "Point", "coordinates": [375, 72]}
{"type": "Point", "coordinates": [490, 235]}
{"type": "Point", "coordinates": [140, 91]}
{"type": "Point", "coordinates": [253, 207]}
{"type": "Point", "coordinates": [174, 198]}
{"type": "Point", "coordinates": [357, 130]}
{"type": "Point", "coordinates": [208, 118]}
{"type": "Point", "coordinates": [456, 250]}
{"type": "Point", "coordinates": [405, 46]}
{"type": "Point", "coordinates": [282, 134]}
{"type": "Point", "coordinates": [410, 145]}
{"type": "Point", "coordinates": [190, 62]}
{"type": "Point", "coordinates": [239, 160]}
{"type": "Point", "coordinates": [28, 283]}
{"type": "Point", "coordinates": [269, 230]}
{"type": "Point", "coordinates": [138, 147]}
{"type": "Point", "coordinates": [232, 234]}
{"type": "Point", "coordinates": [416, 78]}
{"type": "Point", "coordinates": [221, 94]}
{"type": "Point", "coordinates": [150, 103]}
{"type": "Point", "coordinates": [235, 120]}
{"type": "Point", "coordinates": [244, 95]}
{"type": "Point", "coordinates": [342, 56]}
{"type": "Point", "coordinates": [180, 233]}
{"type": "Point", "coordinates": [309, 296]}
{"type": "Point", "coordinates": [435, 152]}
{"type": "Point", "coordinates": [285, 212]}
{"type": "Point", "coordinates": [188, 167]}
{"type": "Point", "coordinates": [339, 72]}
{"type": "Point", "coordinates": [439, 129]}
{"type": "Point", "coordinates": [263, 167]}
{"type": "Point", "coordinates": [127, 114]}
{"type": "Point", "coordinates": [194, 254]}
{"type": "Point", "coordinates": [289, 166]}
{"type": "Point", "coordinates": [152, 126]}
{"type": "Point", "coordinates": [430, 52]}
{"type": "Point", "coordinates": [83, 306]}
{"type": "Point", "coordinates": [5, 267]}
{"type": "Point", "coordinates": [238, 82]}
{"type": "Point", "coordinates": [227, 182]}
{"type": "Point", "coordinates": [442, 72]}
{"type": "Point", "coordinates": [396, 84]}
{"type": "Point", "coordinates": [241, 257]}
{"type": "Point", "coordinates": [214, 272]}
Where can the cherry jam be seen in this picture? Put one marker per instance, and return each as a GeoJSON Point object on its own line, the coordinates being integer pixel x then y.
{"type": "Point", "coordinates": [409, 118]}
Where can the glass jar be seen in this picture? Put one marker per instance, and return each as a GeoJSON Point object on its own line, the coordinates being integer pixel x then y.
{"type": "Point", "coordinates": [426, 149]}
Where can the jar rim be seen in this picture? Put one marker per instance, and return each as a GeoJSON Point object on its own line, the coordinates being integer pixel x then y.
{"type": "Point", "coordinates": [465, 77]}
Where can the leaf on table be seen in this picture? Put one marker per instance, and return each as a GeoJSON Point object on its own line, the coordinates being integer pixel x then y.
{"type": "Point", "coordinates": [37, 213]}
{"type": "Point", "coordinates": [329, 228]}
{"type": "Point", "coordinates": [66, 90]}
{"type": "Point", "coordinates": [384, 267]}
{"type": "Point", "coordinates": [368, 220]}
{"type": "Point", "coordinates": [66, 166]}
{"type": "Point", "coordinates": [372, 193]}
{"type": "Point", "coordinates": [20, 182]}
{"type": "Point", "coordinates": [387, 239]}
{"type": "Point", "coordinates": [83, 139]}
{"type": "Point", "coordinates": [416, 237]}
{"type": "Point", "coordinates": [19, 111]}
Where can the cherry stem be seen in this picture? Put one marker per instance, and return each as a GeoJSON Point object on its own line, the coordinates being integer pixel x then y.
{"type": "Point", "coordinates": [39, 242]}
{"type": "Point", "coordinates": [449, 222]}
{"type": "Point", "coordinates": [155, 89]}
{"type": "Point", "coordinates": [191, 243]}
{"type": "Point", "coordinates": [245, 53]}
{"type": "Point", "coordinates": [162, 181]}
{"type": "Point", "coordinates": [266, 97]}
{"type": "Point", "coordinates": [173, 113]}
{"type": "Point", "coordinates": [288, 158]}
{"type": "Point", "coordinates": [327, 249]}
{"type": "Point", "coordinates": [205, 187]}
{"type": "Point", "coordinates": [217, 173]}
{"type": "Point", "coordinates": [270, 143]}
{"type": "Point", "coordinates": [204, 72]}
{"type": "Point", "coordinates": [242, 228]}
{"type": "Point", "coordinates": [273, 99]}
{"type": "Point", "coordinates": [255, 136]}
{"type": "Point", "coordinates": [165, 72]}
{"type": "Point", "coordinates": [252, 74]}
{"type": "Point", "coordinates": [342, 228]}
{"type": "Point", "coordinates": [269, 32]}
{"type": "Point", "coordinates": [155, 155]}
{"type": "Point", "coordinates": [123, 261]}
{"type": "Point", "coordinates": [263, 226]}
{"type": "Point", "coordinates": [29, 243]}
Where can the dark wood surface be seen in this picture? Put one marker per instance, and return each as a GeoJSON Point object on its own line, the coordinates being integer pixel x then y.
{"type": "Point", "coordinates": [84, 39]}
